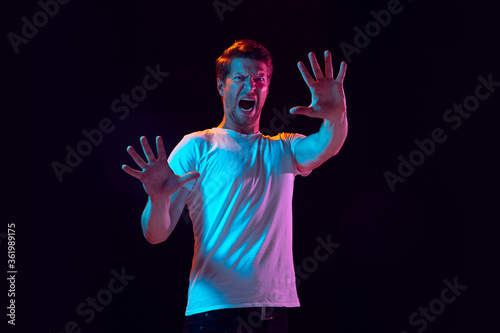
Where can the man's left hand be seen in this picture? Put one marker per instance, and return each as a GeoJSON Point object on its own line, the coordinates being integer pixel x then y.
{"type": "Point", "coordinates": [328, 99]}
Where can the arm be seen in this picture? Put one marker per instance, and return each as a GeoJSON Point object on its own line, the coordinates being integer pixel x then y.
{"type": "Point", "coordinates": [156, 224]}
{"type": "Point", "coordinates": [317, 148]}
{"type": "Point", "coordinates": [328, 103]}
{"type": "Point", "coordinates": [166, 196]}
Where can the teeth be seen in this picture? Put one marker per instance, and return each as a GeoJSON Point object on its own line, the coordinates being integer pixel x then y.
{"type": "Point", "coordinates": [248, 99]}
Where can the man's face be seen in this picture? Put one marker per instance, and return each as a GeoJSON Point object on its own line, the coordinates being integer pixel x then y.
{"type": "Point", "coordinates": [244, 92]}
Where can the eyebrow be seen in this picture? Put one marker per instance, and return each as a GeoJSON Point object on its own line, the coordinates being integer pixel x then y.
{"type": "Point", "coordinates": [261, 72]}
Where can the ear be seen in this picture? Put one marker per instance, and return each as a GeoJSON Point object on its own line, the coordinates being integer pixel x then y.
{"type": "Point", "coordinates": [220, 87]}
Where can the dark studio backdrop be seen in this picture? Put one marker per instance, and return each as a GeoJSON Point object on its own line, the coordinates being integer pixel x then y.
{"type": "Point", "coordinates": [408, 205]}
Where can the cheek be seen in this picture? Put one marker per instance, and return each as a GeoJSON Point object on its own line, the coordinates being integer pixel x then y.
{"type": "Point", "coordinates": [263, 94]}
{"type": "Point", "coordinates": [228, 93]}
{"type": "Point", "coordinates": [233, 90]}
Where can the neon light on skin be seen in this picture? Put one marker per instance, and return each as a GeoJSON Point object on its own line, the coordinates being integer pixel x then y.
{"type": "Point", "coordinates": [247, 78]}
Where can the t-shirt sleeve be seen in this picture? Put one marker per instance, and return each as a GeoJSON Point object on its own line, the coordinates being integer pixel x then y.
{"type": "Point", "coordinates": [293, 138]}
{"type": "Point", "coordinates": [183, 159]}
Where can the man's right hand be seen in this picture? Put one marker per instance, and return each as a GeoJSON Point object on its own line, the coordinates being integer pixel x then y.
{"type": "Point", "coordinates": [158, 179]}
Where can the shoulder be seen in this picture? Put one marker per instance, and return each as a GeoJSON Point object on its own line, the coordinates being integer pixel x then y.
{"type": "Point", "coordinates": [206, 135]}
{"type": "Point", "coordinates": [290, 136]}
{"type": "Point", "coordinates": [287, 138]}
{"type": "Point", "coordinates": [201, 141]}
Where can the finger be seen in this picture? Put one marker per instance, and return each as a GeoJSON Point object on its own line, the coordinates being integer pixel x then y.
{"type": "Point", "coordinates": [138, 159]}
{"type": "Point", "coordinates": [134, 173]}
{"type": "Point", "coordinates": [147, 149]}
{"type": "Point", "coordinates": [315, 66]}
{"type": "Point", "coordinates": [304, 110]}
{"type": "Point", "coordinates": [328, 65]}
{"type": "Point", "coordinates": [342, 71]}
{"type": "Point", "coordinates": [189, 176]}
{"type": "Point", "coordinates": [160, 149]}
{"type": "Point", "coordinates": [305, 74]}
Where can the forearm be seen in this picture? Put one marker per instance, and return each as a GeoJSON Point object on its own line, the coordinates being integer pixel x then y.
{"type": "Point", "coordinates": [155, 221]}
{"type": "Point", "coordinates": [331, 137]}
{"type": "Point", "coordinates": [317, 148]}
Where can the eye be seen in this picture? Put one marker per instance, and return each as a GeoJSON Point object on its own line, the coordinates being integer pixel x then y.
{"type": "Point", "coordinates": [261, 79]}
{"type": "Point", "coordinates": [238, 77]}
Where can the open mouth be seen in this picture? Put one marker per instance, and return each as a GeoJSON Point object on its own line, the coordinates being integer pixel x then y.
{"type": "Point", "coordinates": [247, 104]}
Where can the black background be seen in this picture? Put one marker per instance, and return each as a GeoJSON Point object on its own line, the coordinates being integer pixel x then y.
{"type": "Point", "coordinates": [397, 247]}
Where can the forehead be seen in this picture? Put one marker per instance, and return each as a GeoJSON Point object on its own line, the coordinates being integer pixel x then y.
{"type": "Point", "coordinates": [248, 66]}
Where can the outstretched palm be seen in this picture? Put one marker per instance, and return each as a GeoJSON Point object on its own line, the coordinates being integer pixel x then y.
{"type": "Point", "coordinates": [328, 99]}
{"type": "Point", "coordinates": [157, 177]}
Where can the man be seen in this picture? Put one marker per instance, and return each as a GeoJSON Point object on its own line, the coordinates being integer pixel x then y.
{"type": "Point", "coordinates": [238, 186]}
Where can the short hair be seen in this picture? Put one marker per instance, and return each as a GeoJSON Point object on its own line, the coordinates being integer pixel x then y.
{"type": "Point", "coordinates": [243, 48]}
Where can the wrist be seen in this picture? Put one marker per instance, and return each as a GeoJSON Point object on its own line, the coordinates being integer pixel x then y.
{"type": "Point", "coordinates": [339, 118]}
{"type": "Point", "coordinates": [159, 199]}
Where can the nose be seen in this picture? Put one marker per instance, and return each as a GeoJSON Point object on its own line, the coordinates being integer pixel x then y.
{"type": "Point", "coordinates": [249, 83]}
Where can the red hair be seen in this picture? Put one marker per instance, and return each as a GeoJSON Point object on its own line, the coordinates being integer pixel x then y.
{"type": "Point", "coordinates": [243, 48]}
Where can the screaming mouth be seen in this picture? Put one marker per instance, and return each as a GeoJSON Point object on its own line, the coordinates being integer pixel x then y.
{"type": "Point", "coordinates": [247, 104]}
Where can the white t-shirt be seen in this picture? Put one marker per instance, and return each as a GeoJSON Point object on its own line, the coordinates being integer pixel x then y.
{"type": "Point", "coordinates": [241, 208]}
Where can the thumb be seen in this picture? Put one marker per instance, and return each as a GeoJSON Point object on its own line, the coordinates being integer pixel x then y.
{"type": "Point", "coordinates": [305, 110]}
{"type": "Point", "coordinates": [188, 176]}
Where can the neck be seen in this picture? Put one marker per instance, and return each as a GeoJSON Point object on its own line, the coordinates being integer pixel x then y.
{"type": "Point", "coordinates": [250, 129]}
